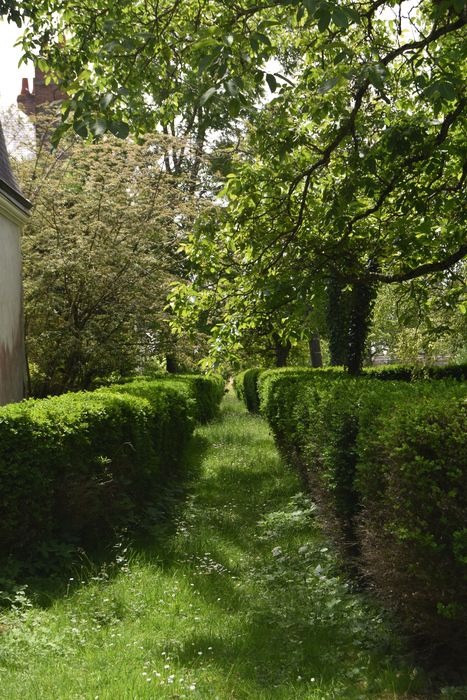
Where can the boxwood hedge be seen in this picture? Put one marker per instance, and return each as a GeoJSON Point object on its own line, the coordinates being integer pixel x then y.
{"type": "Point", "coordinates": [246, 388]}
{"type": "Point", "coordinates": [387, 463]}
{"type": "Point", "coordinates": [75, 467]}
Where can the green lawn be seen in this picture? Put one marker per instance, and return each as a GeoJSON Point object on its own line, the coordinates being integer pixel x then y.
{"type": "Point", "coordinates": [239, 598]}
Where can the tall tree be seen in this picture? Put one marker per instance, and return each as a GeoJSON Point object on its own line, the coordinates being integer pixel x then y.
{"type": "Point", "coordinates": [355, 169]}
{"type": "Point", "coordinates": [99, 258]}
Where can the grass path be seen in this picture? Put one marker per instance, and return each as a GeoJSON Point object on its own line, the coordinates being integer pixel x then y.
{"type": "Point", "coordinates": [238, 600]}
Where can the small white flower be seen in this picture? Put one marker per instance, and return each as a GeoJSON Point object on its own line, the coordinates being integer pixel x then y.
{"type": "Point", "coordinates": [277, 551]}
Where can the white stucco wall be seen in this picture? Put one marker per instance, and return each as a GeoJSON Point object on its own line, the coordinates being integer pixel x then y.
{"type": "Point", "coordinates": [12, 357]}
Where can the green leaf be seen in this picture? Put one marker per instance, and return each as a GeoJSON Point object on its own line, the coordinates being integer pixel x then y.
{"type": "Point", "coordinates": [204, 62]}
{"type": "Point", "coordinates": [234, 108]}
{"type": "Point", "coordinates": [232, 87]}
{"type": "Point", "coordinates": [206, 96]}
{"type": "Point", "coordinates": [271, 81]}
{"type": "Point", "coordinates": [340, 17]}
{"type": "Point", "coordinates": [81, 128]}
{"type": "Point", "coordinates": [106, 100]}
{"type": "Point", "coordinates": [119, 129]}
{"type": "Point", "coordinates": [353, 15]}
{"type": "Point", "coordinates": [443, 88]}
{"type": "Point", "coordinates": [254, 43]}
{"type": "Point", "coordinates": [263, 38]}
{"type": "Point", "coordinates": [59, 133]}
{"type": "Point", "coordinates": [327, 85]}
{"type": "Point", "coordinates": [377, 74]}
{"type": "Point", "coordinates": [99, 127]}
{"type": "Point", "coordinates": [206, 43]}
{"type": "Point", "coordinates": [311, 6]}
{"type": "Point", "coordinates": [324, 18]}
{"type": "Point", "coordinates": [341, 56]}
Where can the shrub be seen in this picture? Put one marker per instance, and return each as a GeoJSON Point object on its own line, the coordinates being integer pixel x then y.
{"type": "Point", "coordinates": [246, 388]}
{"type": "Point", "coordinates": [273, 383]}
{"type": "Point", "coordinates": [204, 392]}
{"type": "Point", "coordinates": [411, 372]}
{"type": "Point", "coordinates": [412, 485]}
{"type": "Point", "coordinates": [75, 467]}
{"type": "Point", "coordinates": [312, 417]}
{"type": "Point", "coordinates": [387, 464]}
{"type": "Point", "coordinates": [207, 392]}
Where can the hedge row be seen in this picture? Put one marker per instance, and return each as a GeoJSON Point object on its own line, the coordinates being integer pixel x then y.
{"type": "Point", "coordinates": [205, 392]}
{"type": "Point", "coordinates": [410, 373]}
{"type": "Point", "coordinates": [246, 382]}
{"type": "Point", "coordinates": [387, 462]}
{"type": "Point", "coordinates": [245, 385]}
{"type": "Point", "coordinates": [75, 467]}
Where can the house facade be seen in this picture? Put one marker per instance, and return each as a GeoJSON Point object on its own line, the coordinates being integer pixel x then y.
{"type": "Point", "coordinates": [14, 209]}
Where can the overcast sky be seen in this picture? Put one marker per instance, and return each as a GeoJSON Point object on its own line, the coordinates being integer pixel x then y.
{"type": "Point", "coordinates": [10, 74]}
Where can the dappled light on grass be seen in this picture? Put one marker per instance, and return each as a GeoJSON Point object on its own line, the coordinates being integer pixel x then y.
{"type": "Point", "coordinates": [239, 598]}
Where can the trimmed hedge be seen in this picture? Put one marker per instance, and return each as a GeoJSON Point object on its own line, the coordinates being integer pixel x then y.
{"type": "Point", "coordinates": [410, 373]}
{"type": "Point", "coordinates": [247, 382]}
{"type": "Point", "coordinates": [411, 482]}
{"type": "Point", "coordinates": [387, 463]}
{"type": "Point", "coordinates": [75, 467]}
{"type": "Point", "coordinates": [246, 388]}
{"type": "Point", "coordinates": [206, 391]}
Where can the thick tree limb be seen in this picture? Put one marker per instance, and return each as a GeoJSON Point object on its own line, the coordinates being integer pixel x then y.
{"type": "Point", "coordinates": [422, 270]}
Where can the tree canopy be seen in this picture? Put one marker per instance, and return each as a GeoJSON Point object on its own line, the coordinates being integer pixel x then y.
{"type": "Point", "coordinates": [353, 163]}
{"type": "Point", "coordinates": [100, 254]}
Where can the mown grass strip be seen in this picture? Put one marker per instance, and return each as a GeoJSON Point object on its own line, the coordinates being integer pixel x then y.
{"type": "Point", "coordinates": [238, 598]}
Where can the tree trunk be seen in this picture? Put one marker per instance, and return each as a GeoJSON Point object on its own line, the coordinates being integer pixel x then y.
{"type": "Point", "coordinates": [349, 318]}
{"type": "Point", "coordinates": [337, 316]}
{"type": "Point", "coordinates": [363, 297]}
{"type": "Point", "coordinates": [316, 357]}
{"type": "Point", "coordinates": [171, 364]}
{"type": "Point", "coordinates": [281, 351]}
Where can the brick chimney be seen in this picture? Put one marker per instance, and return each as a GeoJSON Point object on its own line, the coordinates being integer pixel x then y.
{"type": "Point", "coordinates": [41, 94]}
{"type": "Point", "coordinates": [25, 100]}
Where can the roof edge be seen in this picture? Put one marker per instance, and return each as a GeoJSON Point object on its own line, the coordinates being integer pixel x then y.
{"type": "Point", "coordinates": [15, 197]}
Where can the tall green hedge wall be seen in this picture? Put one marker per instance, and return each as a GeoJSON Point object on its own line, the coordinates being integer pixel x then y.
{"type": "Point", "coordinates": [75, 467]}
{"type": "Point", "coordinates": [387, 463]}
{"type": "Point", "coordinates": [246, 383]}
{"type": "Point", "coordinates": [246, 388]}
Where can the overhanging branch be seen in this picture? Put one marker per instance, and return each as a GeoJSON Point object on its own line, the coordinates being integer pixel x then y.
{"type": "Point", "coordinates": [421, 270]}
